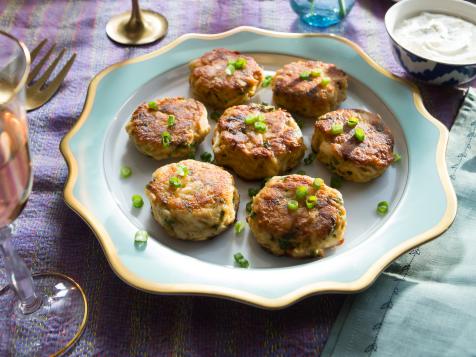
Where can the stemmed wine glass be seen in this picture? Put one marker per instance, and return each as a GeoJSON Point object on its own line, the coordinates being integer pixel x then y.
{"type": "Point", "coordinates": [43, 314]}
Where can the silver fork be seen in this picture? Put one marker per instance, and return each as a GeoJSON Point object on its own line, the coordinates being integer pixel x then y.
{"type": "Point", "coordinates": [38, 92]}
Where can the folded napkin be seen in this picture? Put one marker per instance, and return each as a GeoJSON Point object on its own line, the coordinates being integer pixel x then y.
{"type": "Point", "coordinates": [424, 304]}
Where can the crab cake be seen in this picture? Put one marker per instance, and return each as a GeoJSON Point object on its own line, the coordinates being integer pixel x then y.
{"type": "Point", "coordinates": [309, 88]}
{"type": "Point", "coordinates": [168, 127]}
{"type": "Point", "coordinates": [257, 141]}
{"type": "Point", "coordinates": [297, 216]}
{"type": "Point", "coordinates": [353, 143]}
{"type": "Point", "coordinates": [193, 200]}
{"type": "Point", "coordinates": [223, 78]}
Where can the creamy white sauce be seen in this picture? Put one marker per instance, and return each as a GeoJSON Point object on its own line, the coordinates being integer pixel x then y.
{"type": "Point", "coordinates": [439, 37]}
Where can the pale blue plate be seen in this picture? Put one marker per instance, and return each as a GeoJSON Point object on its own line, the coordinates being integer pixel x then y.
{"type": "Point", "coordinates": [422, 200]}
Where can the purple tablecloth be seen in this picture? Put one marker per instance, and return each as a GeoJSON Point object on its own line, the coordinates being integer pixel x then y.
{"type": "Point", "coordinates": [50, 237]}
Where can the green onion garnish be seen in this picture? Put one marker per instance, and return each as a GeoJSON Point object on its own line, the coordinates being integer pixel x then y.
{"type": "Point", "coordinates": [253, 191]}
{"type": "Point", "coordinates": [267, 81]}
{"type": "Point", "coordinates": [311, 201]}
{"type": "Point", "coordinates": [337, 129]}
{"type": "Point", "coordinates": [152, 105]}
{"type": "Point", "coordinates": [126, 172]}
{"type": "Point", "coordinates": [175, 182]}
{"type": "Point", "coordinates": [141, 237]}
{"type": "Point", "coordinates": [359, 134]}
{"type": "Point", "coordinates": [293, 205]}
{"type": "Point", "coordinates": [241, 261]}
{"type": "Point", "coordinates": [301, 192]}
{"type": "Point", "coordinates": [137, 201]}
{"type": "Point", "coordinates": [325, 81]}
{"type": "Point", "coordinates": [230, 69]}
{"type": "Point", "coordinates": [239, 227]}
{"type": "Point", "coordinates": [305, 75]}
{"type": "Point", "coordinates": [396, 157]}
{"type": "Point", "coordinates": [336, 181]}
{"type": "Point", "coordinates": [315, 73]}
{"type": "Point", "coordinates": [215, 115]}
{"type": "Point", "coordinates": [182, 170]}
{"type": "Point", "coordinates": [318, 182]}
{"type": "Point", "coordinates": [309, 159]}
{"type": "Point", "coordinates": [206, 157]}
{"type": "Point", "coordinates": [299, 122]}
{"type": "Point", "coordinates": [382, 208]}
{"type": "Point", "coordinates": [253, 118]}
{"type": "Point", "coordinates": [352, 121]}
{"type": "Point", "coordinates": [240, 63]}
{"type": "Point", "coordinates": [166, 139]}
{"type": "Point", "coordinates": [260, 126]}
{"type": "Point", "coordinates": [248, 207]}
{"type": "Point", "coordinates": [171, 120]}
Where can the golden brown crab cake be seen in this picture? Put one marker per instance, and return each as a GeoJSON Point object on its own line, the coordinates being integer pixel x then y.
{"type": "Point", "coordinates": [353, 143]}
{"type": "Point", "coordinates": [223, 78]}
{"type": "Point", "coordinates": [193, 200]}
{"type": "Point", "coordinates": [172, 127]}
{"type": "Point", "coordinates": [297, 216]}
{"type": "Point", "coordinates": [257, 141]}
{"type": "Point", "coordinates": [309, 88]}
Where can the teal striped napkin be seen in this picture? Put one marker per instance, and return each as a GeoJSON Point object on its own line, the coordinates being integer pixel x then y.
{"type": "Point", "coordinates": [424, 304]}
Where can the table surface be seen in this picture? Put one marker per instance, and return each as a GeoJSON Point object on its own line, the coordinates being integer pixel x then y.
{"type": "Point", "coordinates": [50, 237]}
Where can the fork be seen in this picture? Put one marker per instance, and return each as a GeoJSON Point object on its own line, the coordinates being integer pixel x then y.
{"type": "Point", "coordinates": [38, 92]}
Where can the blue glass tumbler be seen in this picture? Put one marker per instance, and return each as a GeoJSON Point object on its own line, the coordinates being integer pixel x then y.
{"type": "Point", "coordinates": [322, 13]}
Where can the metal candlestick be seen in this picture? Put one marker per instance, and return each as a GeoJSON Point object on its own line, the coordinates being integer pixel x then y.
{"type": "Point", "coordinates": [138, 27]}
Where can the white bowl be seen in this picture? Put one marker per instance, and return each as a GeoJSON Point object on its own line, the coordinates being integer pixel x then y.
{"type": "Point", "coordinates": [427, 69]}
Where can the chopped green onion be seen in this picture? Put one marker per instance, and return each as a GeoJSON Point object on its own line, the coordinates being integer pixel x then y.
{"type": "Point", "coordinates": [352, 121]}
{"type": "Point", "coordinates": [318, 182]}
{"type": "Point", "coordinates": [311, 201]}
{"type": "Point", "coordinates": [153, 105]}
{"type": "Point", "coordinates": [215, 115]}
{"type": "Point", "coordinates": [336, 181]}
{"type": "Point", "coordinates": [239, 227]}
{"type": "Point", "coordinates": [382, 208]}
{"type": "Point", "coordinates": [305, 75]}
{"type": "Point", "coordinates": [299, 122]}
{"type": "Point", "coordinates": [175, 182]}
{"type": "Point", "coordinates": [253, 191]}
{"type": "Point", "coordinates": [137, 201]}
{"type": "Point", "coordinates": [260, 126]}
{"type": "Point", "coordinates": [293, 205]}
{"type": "Point", "coordinates": [359, 134]}
{"type": "Point", "coordinates": [315, 73]}
{"type": "Point", "coordinates": [230, 69]}
{"type": "Point", "coordinates": [166, 139]}
{"type": "Point", "coordinates": [301, 192]}
{"type": "Point", "coordinates": [171, 120]}
{"type": "Point", "coordinates": [240, 63]}
{"type": "Point", "coordinates": [253, 118]}
{"type": "Point", "coordinates": [206, 157]}
{"type": "Point", "coordinates": [267, 81]}
{"type": "Point", "coordinates": [301, 172]}
{"type": "Point", "coordinates": [249, 207]}
{"type": "Point", "coordinates": [309, 159]}
{"type": "Point", "coordinates": [337, 129]}
{"type": "Point", "coordinates": [241, 261]}
{"type": "Point", "coordinates": [396, 157]}
{"type": "Point", "coordinates": [126, 172]}
{"type": "Point", "coordinates": [325, 81]}
{"type": "Point", "coordinates": [182, 170]}
{"type": "Point", "coordinates": [141, 237]}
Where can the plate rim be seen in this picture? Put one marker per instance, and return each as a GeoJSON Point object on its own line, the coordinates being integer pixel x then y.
{"type": "Point", "coordinates": [363, 282]}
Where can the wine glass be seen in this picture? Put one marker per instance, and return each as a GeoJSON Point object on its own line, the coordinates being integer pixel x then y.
{"type": "Point", "coordinates": [137, 27]}
{"type": "Point", "coordinates": [43, 314]}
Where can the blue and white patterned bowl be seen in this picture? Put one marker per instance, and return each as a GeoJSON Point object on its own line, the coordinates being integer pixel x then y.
{"type": "Point", "coordinates": [422, 68]}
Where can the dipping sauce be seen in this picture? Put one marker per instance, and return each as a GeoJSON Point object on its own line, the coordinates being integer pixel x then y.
{"type": "Point", "coordinates": [439, 37]}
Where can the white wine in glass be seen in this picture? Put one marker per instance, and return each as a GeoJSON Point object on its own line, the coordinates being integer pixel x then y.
{"type": "Point", "coordinates": [41, 314]}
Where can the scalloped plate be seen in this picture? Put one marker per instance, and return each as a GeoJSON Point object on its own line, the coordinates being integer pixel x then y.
{"type": "Point", "coordinates": [423, 202]}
